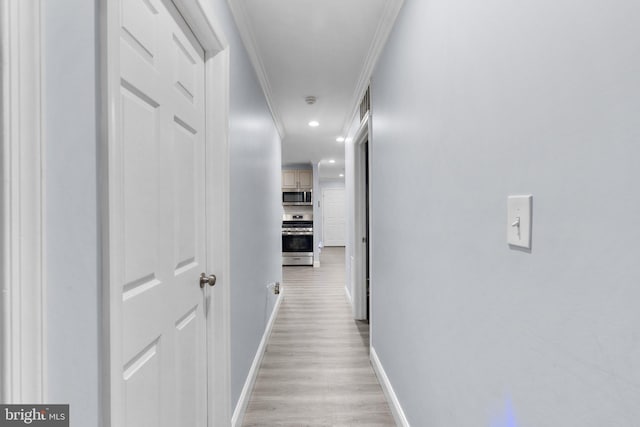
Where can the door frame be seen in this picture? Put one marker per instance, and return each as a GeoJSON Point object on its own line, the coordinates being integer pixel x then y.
{"type": "Point", "coordinates": [200, 18]}
{"type": "Point", "coordinates": [360, 281]}
{"type": "Point", "coordinates": [23, 331]}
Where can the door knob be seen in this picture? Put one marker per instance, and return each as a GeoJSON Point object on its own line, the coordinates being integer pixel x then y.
{"type": "Point", "coordinates": [204, 280]}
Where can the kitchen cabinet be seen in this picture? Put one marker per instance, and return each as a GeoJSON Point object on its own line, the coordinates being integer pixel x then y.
{"type": "Point", "coordinates": [305, 179]}
{"type": "Point", "coordinates": [295, 179]}
{"type": "Point", "coordinates": [290, 179]}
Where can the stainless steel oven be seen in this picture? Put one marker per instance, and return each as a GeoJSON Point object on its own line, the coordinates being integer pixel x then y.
{"type": "Point", "coordinates": [297, 240]}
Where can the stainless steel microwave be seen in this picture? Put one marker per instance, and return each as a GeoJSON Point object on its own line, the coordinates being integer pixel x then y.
{"type": "Point", "coordinates": [296, 198]}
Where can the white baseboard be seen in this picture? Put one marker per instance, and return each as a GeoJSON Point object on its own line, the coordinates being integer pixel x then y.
{"type": "Point", "coordinates": [243, 401]}
{"type": "Point", "coordinates": [392, 399]}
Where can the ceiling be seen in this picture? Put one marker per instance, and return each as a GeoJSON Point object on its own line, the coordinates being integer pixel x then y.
{"type": "Point", "coordinates": [323, 48]}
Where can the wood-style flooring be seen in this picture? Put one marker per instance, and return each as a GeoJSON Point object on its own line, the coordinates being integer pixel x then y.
{"type": "Point", "coordinates": [316, 369]}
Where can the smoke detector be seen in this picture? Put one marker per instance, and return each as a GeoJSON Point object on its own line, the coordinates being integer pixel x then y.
{"type": "Point", "coordinates": [310, 99]}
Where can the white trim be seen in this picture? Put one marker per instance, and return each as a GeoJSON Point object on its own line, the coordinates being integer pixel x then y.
{"type": "Point", "coordinates": [204, 24]}
{"type": "Point", "coordinates": [358, 286]}
{"type": "Point", "coordinates": [218, 249]}
{"type": "Point", "coordinates": [243, 400]}
{"type": "Point", "coordinates": [23, 333]}
{"type": "Point", "coordinates": [388, 18]}
{"type": "Point", "coordinates": [109, 111]}
{"type": "Point", "coordinates": [387, 388]}
{"type": "Point", "coordinates": [239, 11]}
{"type": "Point", "coordinates": [200, 17]}
{"type": "Point", "coordinates": [316, 264]}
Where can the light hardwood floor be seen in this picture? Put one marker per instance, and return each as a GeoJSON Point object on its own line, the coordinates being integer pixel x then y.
{"type": "Point", "coordinates": [316, 369]}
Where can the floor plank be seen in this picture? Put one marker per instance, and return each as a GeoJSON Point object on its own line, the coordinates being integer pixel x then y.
{"type": "Point", "coordinates": [316, 369]}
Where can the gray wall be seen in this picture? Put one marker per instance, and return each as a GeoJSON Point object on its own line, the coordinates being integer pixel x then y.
{"type": "Point", "coordinates": [256, 207]}
{"type": "Point", "coordinates": [473, 101]}
{"type": "Point", "coordinates": [70, 207]}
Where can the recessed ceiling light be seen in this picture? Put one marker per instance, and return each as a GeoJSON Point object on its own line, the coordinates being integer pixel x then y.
{"type": "Point", "coordinates": [332, 161]}
{"type": "Point", "coordinates": [341, 175]}
{"type": "Point", "coordinates": [340, 139]}
{"type": "Point", "coordinates": [314, 124]}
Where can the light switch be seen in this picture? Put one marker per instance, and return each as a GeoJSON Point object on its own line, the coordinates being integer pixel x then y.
{"type": "Point", "coordinates": [519, 221]}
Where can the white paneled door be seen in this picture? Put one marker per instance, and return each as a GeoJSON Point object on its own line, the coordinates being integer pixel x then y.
{"type": "Point", "coordinates": [158, 221]}
{"type": "Point", "coordinates": [333, 217]}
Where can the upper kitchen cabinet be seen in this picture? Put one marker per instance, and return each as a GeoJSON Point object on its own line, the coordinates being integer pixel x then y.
{"type": "Point", "coordinates": [301, 178]}
{"type": "Point", "coordinates": [305, 178]}
{"type": "Point", "coordinates": [290, 179]}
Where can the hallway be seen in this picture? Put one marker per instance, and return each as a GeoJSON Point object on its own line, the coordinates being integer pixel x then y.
{"type": "Point", "coordinates": [316, 369]}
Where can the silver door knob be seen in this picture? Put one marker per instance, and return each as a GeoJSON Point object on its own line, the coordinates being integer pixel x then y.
{"type": "Point", "coordinates": [204, 280]}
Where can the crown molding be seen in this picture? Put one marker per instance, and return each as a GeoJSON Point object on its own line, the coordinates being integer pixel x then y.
{"type": "Point", "coordinates": [385, 25]}
{"type": "Point", "coordinates": [239, 12]}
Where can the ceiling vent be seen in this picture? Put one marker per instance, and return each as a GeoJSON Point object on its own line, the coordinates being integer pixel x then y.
{"type": "Point", "coordinates": [310, 99]}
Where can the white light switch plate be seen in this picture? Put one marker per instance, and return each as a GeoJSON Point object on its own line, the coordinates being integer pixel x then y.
{"type": "Point", "coordinates": [519, 221]}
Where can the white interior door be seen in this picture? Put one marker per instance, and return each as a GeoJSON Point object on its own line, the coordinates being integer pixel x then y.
{"type": "Point", "coordinates": [158, 221]}
{"type": "Point", "coordinates": [333, 217]}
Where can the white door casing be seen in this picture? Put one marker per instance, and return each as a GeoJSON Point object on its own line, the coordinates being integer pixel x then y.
{"type": "Point", "coordinates": [333, 217]}
{"type": "Point", "coordinates": [359, 274]}
{"type": "Point", "coordinates": [167, 215]}
{"type": "Point", "coordinates": [22, 293]}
